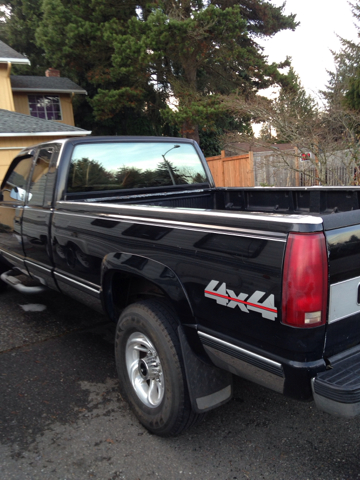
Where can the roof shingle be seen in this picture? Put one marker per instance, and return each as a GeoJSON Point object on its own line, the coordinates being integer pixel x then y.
{"type": "Point", "coordinates": [8, 54]}
{"type": "Point", "coordinates": [30, 83]}
{"type": "Point", "coordinates": [13, 123]}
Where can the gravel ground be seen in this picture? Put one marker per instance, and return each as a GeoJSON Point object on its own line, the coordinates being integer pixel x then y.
{"type": "Point", "coordinates": [62, 418]}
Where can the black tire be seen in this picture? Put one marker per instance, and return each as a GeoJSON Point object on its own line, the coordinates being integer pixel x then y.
{"type": "Point", "coordinates": [147, 345]}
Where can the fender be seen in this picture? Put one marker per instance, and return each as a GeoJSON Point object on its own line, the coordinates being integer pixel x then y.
{"type": "Point", "coordinates": [145, 268]}
{"type": "Point", "coordinates": [208, 386]}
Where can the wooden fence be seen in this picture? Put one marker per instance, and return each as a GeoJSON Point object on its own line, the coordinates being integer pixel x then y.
{"type": "Point", "coordinates": [271, 170]}
{"type": "Point", "coordinates": [237, 171]}
{"type": "Point", "coordinates": [268, 168]}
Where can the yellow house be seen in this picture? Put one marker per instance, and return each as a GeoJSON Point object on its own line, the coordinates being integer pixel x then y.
{"type": "Point", "coordinates": [33, 109]}
{"type": "Point", "coordinates": [48, 97]}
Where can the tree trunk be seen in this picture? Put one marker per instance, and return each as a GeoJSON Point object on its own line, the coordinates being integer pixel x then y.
{"type": "Point", "coordinates": [189, 130]}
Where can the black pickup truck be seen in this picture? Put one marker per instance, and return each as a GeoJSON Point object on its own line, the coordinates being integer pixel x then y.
{"type": "Point", "coordinates": [203, 282]}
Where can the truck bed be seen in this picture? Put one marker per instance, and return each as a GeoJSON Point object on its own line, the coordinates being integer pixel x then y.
{"type": "Point", "coordinates": [296, 200]}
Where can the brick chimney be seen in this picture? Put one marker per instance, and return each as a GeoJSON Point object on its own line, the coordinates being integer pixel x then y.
{"type": "Point", "coordinates": [52, 72]}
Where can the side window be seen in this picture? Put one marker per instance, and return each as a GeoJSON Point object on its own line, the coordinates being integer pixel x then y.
{"type": "Point", "coordinates": [39, 175]}
{"type": "Point", "coordinates": [14, 185]}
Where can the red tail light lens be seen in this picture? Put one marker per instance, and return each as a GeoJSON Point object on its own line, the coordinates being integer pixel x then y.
{"type": "Point", "coordinates": [305, 280]}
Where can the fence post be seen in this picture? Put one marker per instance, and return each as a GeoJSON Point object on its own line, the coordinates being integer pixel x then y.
{"type": "Point", "coordinates": [222, 166]}
{"type": "Point", "coordinates": [297, 174]}
{"type": "Point", "coordinates": [251, 170]}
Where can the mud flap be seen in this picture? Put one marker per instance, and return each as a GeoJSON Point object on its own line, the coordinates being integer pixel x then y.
{"type": "Point", "coordinates": [209, 386]}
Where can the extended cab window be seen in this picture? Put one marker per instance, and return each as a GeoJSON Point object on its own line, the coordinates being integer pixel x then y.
{"type": "Point", "coordinates": [112, 166]}
{"type": "Point", "coordinates": [14, 184]}
{"type": "Point", "coordinates": [38, 179]}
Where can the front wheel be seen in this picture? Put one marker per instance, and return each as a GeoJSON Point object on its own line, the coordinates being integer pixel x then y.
{"type": "Point", "coordinates": [150, 367]}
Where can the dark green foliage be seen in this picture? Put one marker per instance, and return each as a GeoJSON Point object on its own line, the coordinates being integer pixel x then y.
{"type": "Point", "coordinates": [78, 38]}
{"type": "Point", "coordinates": [197, 51]}
{"type": "Point", "coordinates": [19, 20]}
{"type": "Point", "coordinates": [211, 139]}
{"type": "Point", "coordinates": [344, 83]}
{"type": "Point", "coordinates": [352, 94]}
{"type": "Point", "coordinates": [134, 58]}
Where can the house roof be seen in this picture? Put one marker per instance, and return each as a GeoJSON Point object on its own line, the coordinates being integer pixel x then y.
{"type": "Point", "coordinates": [13, 124]}
{"type": "Point", "coordinates": [34, 84]}
{"type": "Point", "coordinates": [8, 54]}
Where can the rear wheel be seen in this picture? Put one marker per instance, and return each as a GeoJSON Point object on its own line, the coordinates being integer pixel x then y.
{"type": "Point", "coordinates": [150, 367]}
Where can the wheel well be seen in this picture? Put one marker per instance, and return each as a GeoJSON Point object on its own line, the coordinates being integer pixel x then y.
{"type": "Point", "coordinates": [121, 289]}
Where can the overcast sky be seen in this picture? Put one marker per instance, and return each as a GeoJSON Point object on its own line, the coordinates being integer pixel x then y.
{"type": "Point", "coordinates": [310, 44]}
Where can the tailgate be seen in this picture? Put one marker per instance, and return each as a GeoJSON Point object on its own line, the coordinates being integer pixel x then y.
{"type": "Point", "coordinates": [343, 330]}
{"type": "Point", "coordinates": [337, 389]}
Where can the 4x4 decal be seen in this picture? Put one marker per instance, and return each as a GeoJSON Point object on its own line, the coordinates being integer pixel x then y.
{"type": "Point", "coordinates": [227, 298]}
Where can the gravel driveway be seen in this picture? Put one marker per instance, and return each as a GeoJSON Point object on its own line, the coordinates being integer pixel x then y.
{"type": "Point", "coordinates": [61, 415]}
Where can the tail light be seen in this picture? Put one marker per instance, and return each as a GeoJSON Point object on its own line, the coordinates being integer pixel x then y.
{"type": "Point", "coordinates": [305, 280]}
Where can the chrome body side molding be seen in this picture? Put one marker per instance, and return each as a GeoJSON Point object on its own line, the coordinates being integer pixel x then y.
{"type": "Point", "coordinates": [244, 363]}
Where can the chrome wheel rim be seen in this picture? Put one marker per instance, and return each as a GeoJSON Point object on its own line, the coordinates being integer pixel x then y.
{"type": "Point", "coordinates": [144, 369]}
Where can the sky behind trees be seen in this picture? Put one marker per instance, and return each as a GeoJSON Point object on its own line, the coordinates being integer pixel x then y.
{"type": "Point", "coordinates": [311, 43]}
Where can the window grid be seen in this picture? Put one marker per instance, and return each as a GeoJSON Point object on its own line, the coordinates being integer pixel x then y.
{"type": "Point", "coordinates": [46, 107]}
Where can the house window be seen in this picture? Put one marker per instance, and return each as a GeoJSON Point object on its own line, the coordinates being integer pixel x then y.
{"type": "Point", "coordinates": [45, 106]}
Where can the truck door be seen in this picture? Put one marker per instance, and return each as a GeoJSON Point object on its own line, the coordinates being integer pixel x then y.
{"type": "Point", "coordinates": [37, 216]}
{"type": "Point", "coordinates": [12, 200]}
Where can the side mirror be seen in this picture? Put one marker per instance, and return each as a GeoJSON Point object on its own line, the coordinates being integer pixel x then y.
{"type": "Point", "coordinates": [18, 193]}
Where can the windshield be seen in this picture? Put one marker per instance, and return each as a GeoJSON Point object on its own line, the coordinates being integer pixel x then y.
{"type": "Point", "coordinates": [130, 165]}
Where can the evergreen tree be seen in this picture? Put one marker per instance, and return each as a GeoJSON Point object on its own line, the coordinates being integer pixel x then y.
{"type": "Point", "coordinates": [19, 20]}
{"type": "Point", "coordinates": [134, 58]}
{"type": "Point", "coordinates": [344, 82]}
{"type": "Point", "coordinates": [195, 51]}
{"type": "Point", "coordinates": [76, 36]}
{"type": "Point", "coordinates": [295, 110]}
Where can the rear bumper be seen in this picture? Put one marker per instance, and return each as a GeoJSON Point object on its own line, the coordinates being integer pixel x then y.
{"type": "Point", "coordinates": [282, 375]}
{"type": "Point", "coordinates": [334, 385]}
{"type": "Point", "coordinates": [337, 390]}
